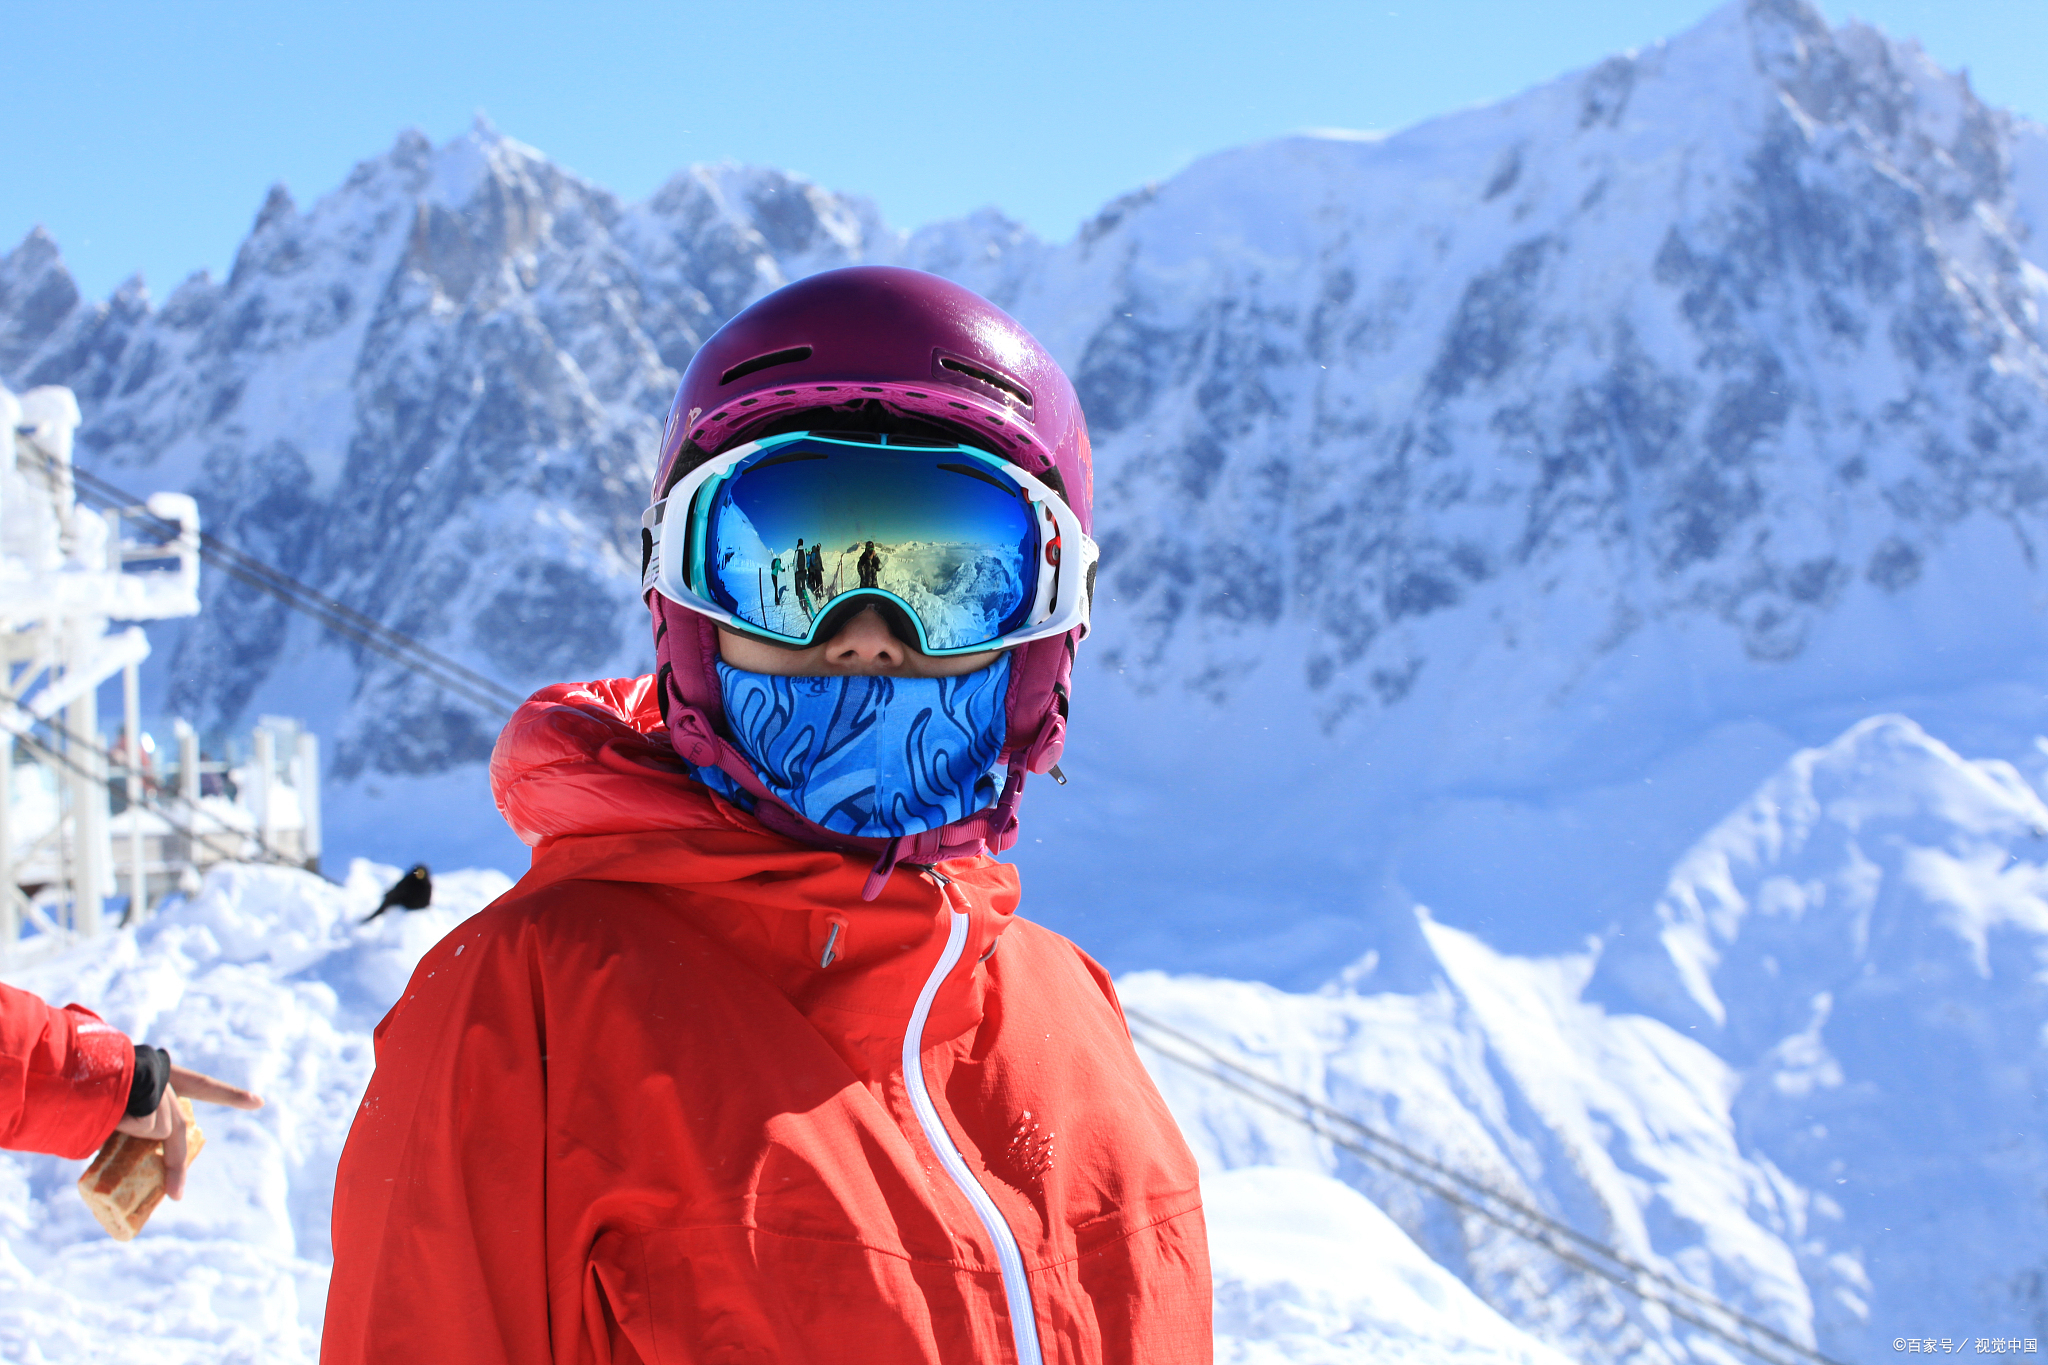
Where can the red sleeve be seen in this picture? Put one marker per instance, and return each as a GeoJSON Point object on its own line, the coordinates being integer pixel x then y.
{"type": "Point", "coordinates": [1105, 983]}
{"type": "Point", "coordinates": [64, 1076]}
{"type": "Point", "coordinates": [439, 1240]}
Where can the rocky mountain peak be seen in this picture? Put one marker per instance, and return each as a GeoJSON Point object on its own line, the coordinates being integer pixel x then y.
{"type": "Point", "coordinates": [1502, 452]}
{"type": "Point", "coordinates": [36, 295]}
{"type": "Point", "coordinates": [1579, 326]}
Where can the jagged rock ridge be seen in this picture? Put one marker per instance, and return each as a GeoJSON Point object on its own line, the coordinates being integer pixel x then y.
{"type": "Point", "coordinates": [1451, 481]}
{"type": "Point", "coordinates": [1496, 453]}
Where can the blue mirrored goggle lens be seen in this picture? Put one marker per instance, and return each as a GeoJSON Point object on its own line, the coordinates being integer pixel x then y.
{"type": "Point", "coordinates": [947, 536]}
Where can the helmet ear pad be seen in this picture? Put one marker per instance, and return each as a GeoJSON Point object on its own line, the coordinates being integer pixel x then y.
{"type": "Point", "coordinates": [686, 668]}
{"type": "Point", "coordinates": [1041, 678]}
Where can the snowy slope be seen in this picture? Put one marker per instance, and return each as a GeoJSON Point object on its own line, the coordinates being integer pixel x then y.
{"type": "Point", "coordinates": [1617, 1126]}
{"type": "Point", "coordinates": [1309, 1270]}
{"type": "Point", "coordinates": [1807, 1079]}
{"type": "Point", "coordinates": [1864, 943]}
{"type": "Point", "coordinates": [1648, 425]}
{"type": "Point", "coordinates": [1804, 1083]}
{"type": "Point", "coordinates": [265, 978]}
{"type": "Point", "coordinates": [269, 978]}
{"type": "Point", "coordinates": [1488, 505]}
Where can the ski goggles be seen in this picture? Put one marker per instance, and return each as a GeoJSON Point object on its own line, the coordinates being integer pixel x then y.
{"type": "Point", "coordinates": [784, 537]}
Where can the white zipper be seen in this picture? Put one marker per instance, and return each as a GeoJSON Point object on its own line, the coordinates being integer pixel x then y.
{"type": "Point", "coordinates": [1023, 1321]}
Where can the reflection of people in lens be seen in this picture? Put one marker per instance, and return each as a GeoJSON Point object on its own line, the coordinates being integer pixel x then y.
{"type": "Point", "coordinates": [800, 572]}
{"type": "Point", "coordinates": [817, 573]}
{"type": "Point", "coordinates": [775, 577]}
{"type": "Point", "coordinates": [870, 567]}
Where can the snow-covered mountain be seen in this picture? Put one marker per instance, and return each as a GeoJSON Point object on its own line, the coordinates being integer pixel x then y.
{"type": "Point", "coordinates": [1807, 1080]}
{"type": "Point", "coordinates": [1522, 488]}
{"type": "Point", "coordinates": [1489, 509]}
{"type": "Point", "coordinates": [1486, 506]}
{"type": "Point", "coordinates": [434, 395]}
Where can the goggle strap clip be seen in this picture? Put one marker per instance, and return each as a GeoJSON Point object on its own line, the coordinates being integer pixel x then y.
{"type": "Point", "coordinates": [650, 546]}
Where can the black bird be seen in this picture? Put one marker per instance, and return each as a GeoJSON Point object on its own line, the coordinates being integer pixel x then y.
{"type": "Point", "coordinates": [413, 891]}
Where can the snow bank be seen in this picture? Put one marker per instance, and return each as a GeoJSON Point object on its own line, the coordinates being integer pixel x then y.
{"type": "Point", "coordinates": [1803, 1083]}
{"type": "Point", "coordinates": [1308, 1269]}
{"type": "Point", "coordinates": [1494, 1067]}
{"type": "Point", "coordinates": [269, 978]}
{"type": "Point", "coordinates": [266, 978]}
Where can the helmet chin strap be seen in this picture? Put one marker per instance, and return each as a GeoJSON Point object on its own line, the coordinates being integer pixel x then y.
{"type": "Point", "coordinates": [998, 826]}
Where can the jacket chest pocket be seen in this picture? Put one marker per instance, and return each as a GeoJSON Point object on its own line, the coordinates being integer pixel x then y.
{"type": "Point", "coordinates": [723, 1295]}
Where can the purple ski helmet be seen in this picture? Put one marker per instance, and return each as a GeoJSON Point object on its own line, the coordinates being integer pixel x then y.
{"type": "Point", "coordinates": [892, 345]}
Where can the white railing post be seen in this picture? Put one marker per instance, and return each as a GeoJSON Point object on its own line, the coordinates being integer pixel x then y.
{"type": "Point", "coordinates": [131, 724]}
{"type": "Point", "coordinates": [188, 761]}
{"type": "Point", "coordinates": [263, 770]}
{"type": "Point", "coordinates": [10, 917]}
{"type": "Point", "coordinates": [306, 777]}
{"type": "Point", "coordinates": [203, 845]}
{"type": "Point", "coordinates": [90, 851]}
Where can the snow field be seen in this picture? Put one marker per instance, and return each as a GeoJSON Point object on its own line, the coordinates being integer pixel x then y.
{"type": "Point", "coordinates": [1309, 1270]}
{"type": "Point", "coordinates": [269, 978]}
{"type": "Point", "coordinates": [266, 978]}
{"type": "Point", "coordinates": [1803, 1082]}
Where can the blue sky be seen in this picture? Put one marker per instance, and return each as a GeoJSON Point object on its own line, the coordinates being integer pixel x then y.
{"type": "Point", "coordinates": [144, 136]}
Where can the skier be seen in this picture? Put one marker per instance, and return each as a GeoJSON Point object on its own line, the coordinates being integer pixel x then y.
{"type": "Point", "coordinates": [870, 567]}
{"type": "Point", "coordinates": [801, 572]}
{"type": "Point", "coordinates": [69, 1081]}
{"type": "Point", "coordinates": [817, 573]}
{"type": "Point", "coordinates": [758, 1062]}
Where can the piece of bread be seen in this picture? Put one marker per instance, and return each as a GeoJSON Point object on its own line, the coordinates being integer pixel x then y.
{"type": "Point", "coordinates": [125, 1182]}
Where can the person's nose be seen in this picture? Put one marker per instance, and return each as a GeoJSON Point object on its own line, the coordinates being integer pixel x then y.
{"type": "Point", "coordinates": [866, 645]}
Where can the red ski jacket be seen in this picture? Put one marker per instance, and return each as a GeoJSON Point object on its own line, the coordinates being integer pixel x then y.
{"type": "Point", "coordinates": [64, 1076]}
{"type": "Point", "coordinates": [653, 1105]}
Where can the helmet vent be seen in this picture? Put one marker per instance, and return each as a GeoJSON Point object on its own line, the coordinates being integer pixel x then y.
{"type": "Point", "coordinates": [788, 356]}
{"type": "Point", "coordinates": [1001, 383]}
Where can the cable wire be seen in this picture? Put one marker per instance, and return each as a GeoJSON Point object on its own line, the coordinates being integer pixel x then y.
{"type": "Point", "coordinates": [1536, 1226]}
{"type": "Point", "coordinates": [1477, 1197]}
{"type": "Point", "coordinates": [337, 616]}
{"type": "Point", "coordinates": [65, 756]}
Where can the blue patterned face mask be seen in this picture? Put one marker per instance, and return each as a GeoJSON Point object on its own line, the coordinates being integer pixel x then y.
{"type": "Point", "coordinates": [867, 756]}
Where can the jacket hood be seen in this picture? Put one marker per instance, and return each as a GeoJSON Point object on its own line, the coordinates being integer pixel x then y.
{"type": "Point", "coordinates": [579, 761]}
{"type": "Point", "coordinates": [594, 758]}
{"type": "Point", "coordinates": [583, 773]}
{"type": "Point", "coordinates": [598, 758]}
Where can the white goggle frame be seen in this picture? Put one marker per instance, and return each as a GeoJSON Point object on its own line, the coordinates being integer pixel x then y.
{"type": "Point", "coordinates": [1062, 599]}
